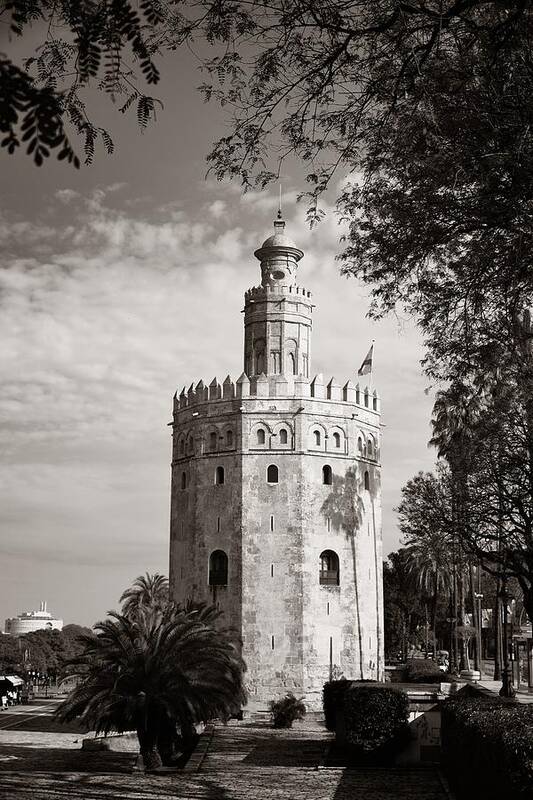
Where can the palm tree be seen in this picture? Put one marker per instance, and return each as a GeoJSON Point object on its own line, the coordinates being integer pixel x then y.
{"type": "Point", "coordinates": [153, 671]}
{"type": "Point", "coordinates": [147, 591]}
{"type": "Point", "coordinates": [456, 413]}
{"type": "Point", "coordinates": [428, 559]}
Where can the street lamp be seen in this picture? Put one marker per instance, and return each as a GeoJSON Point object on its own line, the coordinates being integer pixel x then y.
{"type": "Point", "coordinates": [479, 598]}
{"type": "Point", "coordinates": [507, 689]}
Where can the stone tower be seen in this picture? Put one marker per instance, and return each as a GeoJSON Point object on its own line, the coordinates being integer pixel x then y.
{"type": "Point", "coordinates": [276, 499]}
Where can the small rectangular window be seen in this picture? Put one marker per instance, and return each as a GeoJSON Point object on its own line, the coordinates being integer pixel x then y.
{"type": "Point", "coordinates": [272, 642]}
{"type": "Point", "coordinates": [329, 524]}
{"type": "Point", "coordinates": [327, 609]}
{"type": "Point", "coordinates": [370, 642]}
{"type": "Point", "coordinates": [218, 524]}
{"type": "Point", "coordinates": [272, 570]}
{"type": "Point", "coordinates": [271, 522]}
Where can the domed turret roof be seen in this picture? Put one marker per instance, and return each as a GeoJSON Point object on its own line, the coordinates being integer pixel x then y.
{"type": "Point", "coordinates": [278, 240]}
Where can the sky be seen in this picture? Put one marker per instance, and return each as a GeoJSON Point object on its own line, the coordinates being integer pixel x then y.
{"type": "Point", "coordinates": [120, 283]}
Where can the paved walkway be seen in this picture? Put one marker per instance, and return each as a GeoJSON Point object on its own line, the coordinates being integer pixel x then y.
{"type": "Point", "coordinates": [242, 761]}
{"type": "Point", "coordinates": [522, 694]}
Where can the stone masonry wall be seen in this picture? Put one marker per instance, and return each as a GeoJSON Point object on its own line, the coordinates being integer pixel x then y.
{"type": "Point", "coordinates": [294, 630]}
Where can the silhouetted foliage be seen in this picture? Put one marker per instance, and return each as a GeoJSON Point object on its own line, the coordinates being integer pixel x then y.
{"type": "Point", "coordinates": [45, 651]}
{"type": "Point", "coordinates": [332, 694]}
{"type": "Point", "coordinates": [423, 670]}
{"type": "Point", "coordinates": [287, 710]}
{"type": "Point", "coordinates": [10, 654]}
{"type": "Point", "coordinates": [84, 42]}
{"type": "Point", "coordinates": [487, 747]}
{"type": "Point", "coordinates": [147, 591]}
{"type": "Point", "coordinates": [375, 720]}
{"type": "Point", "coordinates": [153, 671]}
{"type": "Point", "coordinates": [403, 606]}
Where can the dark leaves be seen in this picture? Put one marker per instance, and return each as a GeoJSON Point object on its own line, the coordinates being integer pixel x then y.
{"type": "Point", "coordinates": [98, 34]}
{"type": "Point", "coordinates": [36, 111]}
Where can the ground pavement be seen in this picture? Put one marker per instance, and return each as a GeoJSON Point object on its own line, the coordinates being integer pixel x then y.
{"type": "Point", "coordinates": [40, 760]}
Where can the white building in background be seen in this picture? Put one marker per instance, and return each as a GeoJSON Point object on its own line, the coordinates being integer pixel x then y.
{"type": "Point", "coordinates": [30, 621]}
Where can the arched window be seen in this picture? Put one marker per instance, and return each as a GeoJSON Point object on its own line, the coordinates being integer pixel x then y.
{"type": "Point", "coordinates": [359, 444]}
{"type": "Point", "coordinates": [375, 403]}
{"type": "Point", "coordinates": [260, 436]}
{"type": "Point", "coordinates": [183, 480]}
{"type": "Point", "coordinates": [219, 475]}
{"type": "Point", "coordinates": [229, 438]}
{"type": "Point", "coordinates": [182, 446]}
{"type": "Point", "coordinates": [218, 568]}
{"type": "Point", "coordinates": [190, 444]}
{"type": "Point", "coordinates": [292, 364]}
{"type": "Point", "coordinates": [367, 481]}
{"type": "Point", "coordinates": [283, 436]}
{"type": "Point", "coordinates": [336, 440]}
{"type": "Point", "coordinates": [316, 437]}
{"type": "Point", "coordinates": [272, 474]}
{"type": "Point", "coordinates": [369, 448]}
{"type": "Point", "coordinates": [366, 398]}
{"type": "Point", "coordinates": [327, 475]}
{"type": "Point", "coordinates": [329, 569]}
{"type": "Point", "coordinates": [213, 440]}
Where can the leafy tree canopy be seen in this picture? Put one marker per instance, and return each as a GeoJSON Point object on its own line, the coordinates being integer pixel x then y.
{"type": "Point", "coordinates": [425, 105]}
{"type": "Point", "coordinates": [147, 591]}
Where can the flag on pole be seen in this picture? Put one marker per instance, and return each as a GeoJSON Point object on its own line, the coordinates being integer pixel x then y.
{"type": "Point", "coordinates": [366, 366]}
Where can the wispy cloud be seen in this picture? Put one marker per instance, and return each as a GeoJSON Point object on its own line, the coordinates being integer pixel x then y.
{"type": "Point", "coordinates": [104, 312]}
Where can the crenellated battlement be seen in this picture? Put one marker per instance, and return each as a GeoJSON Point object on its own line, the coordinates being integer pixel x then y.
{"type": "Point", "coordinates": [265, 291]}
{"type": "Point", "coordinates": [274, 386]}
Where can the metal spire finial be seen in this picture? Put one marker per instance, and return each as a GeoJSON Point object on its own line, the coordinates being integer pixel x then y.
{"type": "Point", "coordinates": [279, 222]}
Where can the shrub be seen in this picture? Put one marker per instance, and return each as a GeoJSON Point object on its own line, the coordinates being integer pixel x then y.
{"type": "Point", "coordinates": [375, 720]}
{"type": "Point", "coordinates": [332, 694]}
{"type": "Point", "coordinates": [423, 670]}
{"type": "Point", "coordinates": [487, 747]}
{"type": "Point", "coordinates": [287, 710]}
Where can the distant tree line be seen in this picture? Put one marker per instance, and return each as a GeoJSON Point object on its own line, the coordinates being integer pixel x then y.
{"type": "Point", "coordinates": [457, 560]}
{"type": "Point", "coordinates": [45, 651]}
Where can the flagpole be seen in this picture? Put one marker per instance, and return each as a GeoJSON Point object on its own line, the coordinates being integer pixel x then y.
{"type": "Point", "coordinates": [372, 367]}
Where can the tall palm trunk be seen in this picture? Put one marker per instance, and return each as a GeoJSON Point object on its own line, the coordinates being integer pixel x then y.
{"type": "Point", "coordinates": [147, 736]}
{"type": "Point", "coordinates": [357, 607]}
{"type": "Point", "coordinates": [434, 614]}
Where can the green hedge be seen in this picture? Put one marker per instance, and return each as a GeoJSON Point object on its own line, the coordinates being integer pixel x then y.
{"type": "Point", "coordinates": [487, 747]}
{"type": "Point", "coordinates": [423, 670]}
{"type": "Point", "coordinates": [332, 694]}
{"type": "Point", "coordinates": [375, 720]}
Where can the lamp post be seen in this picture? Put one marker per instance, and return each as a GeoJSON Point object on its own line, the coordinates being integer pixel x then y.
{"type": "Point", "coordinates": [479, 598]}
{"type": "Point", "coordinates": [507, 689]}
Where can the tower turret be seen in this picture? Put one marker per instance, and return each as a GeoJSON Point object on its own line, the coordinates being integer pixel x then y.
{"type": "Point", "coordinates": [277, 314]}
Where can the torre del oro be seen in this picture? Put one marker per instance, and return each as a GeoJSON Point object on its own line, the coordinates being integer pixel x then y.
{"type": "Point", "coordinates": [276, 499]}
